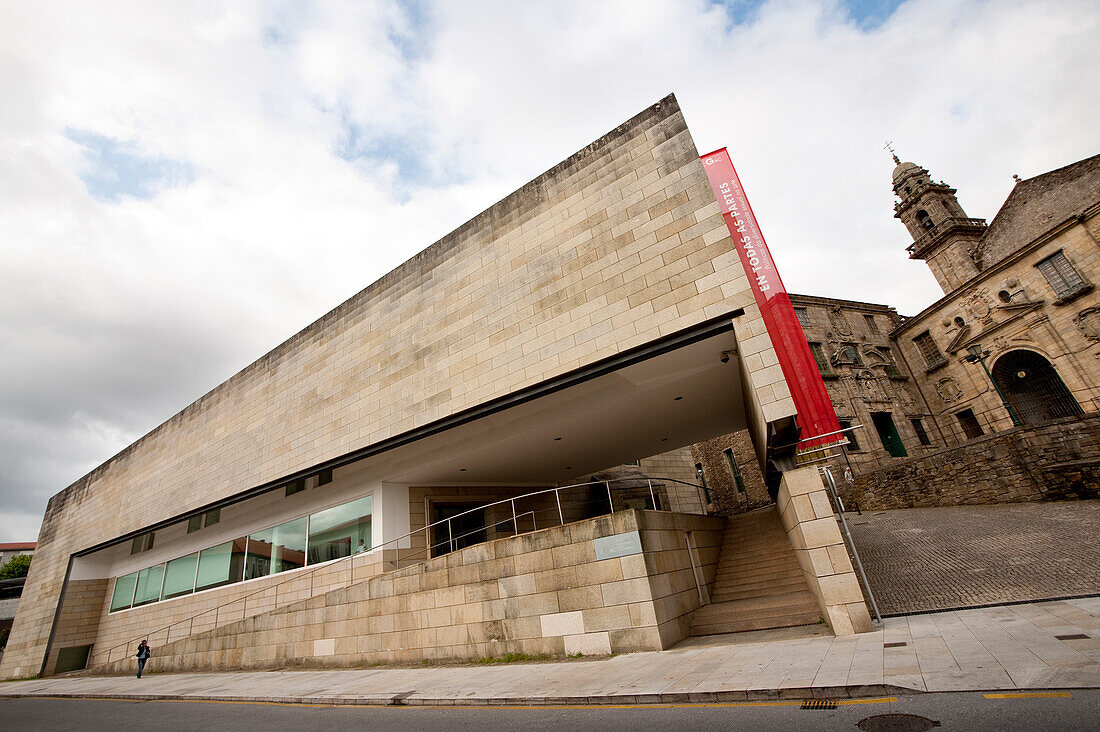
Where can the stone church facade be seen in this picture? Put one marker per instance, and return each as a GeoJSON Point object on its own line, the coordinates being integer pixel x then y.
{"type": "Point", "coordinates": [1013, 345]}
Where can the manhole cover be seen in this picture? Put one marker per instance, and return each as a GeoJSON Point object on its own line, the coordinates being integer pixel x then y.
{"type": "Point", "coordinates": [897, 723]}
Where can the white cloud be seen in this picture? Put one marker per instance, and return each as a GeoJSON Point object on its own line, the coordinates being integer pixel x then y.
{"type": "Point", "coordinates": [328, 142]}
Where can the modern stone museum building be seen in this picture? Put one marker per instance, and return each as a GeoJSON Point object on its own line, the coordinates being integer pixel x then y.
{"type": "Point", "coordinates": [597, 315]}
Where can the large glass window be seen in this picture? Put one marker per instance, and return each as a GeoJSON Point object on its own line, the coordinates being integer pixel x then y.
{"type": "Point", "coordinates": [340, 531]}
{"type": "Point", "coordinates": [277, 549]}
{"type": "Point", "coordinates": [179, 576]}
{"type": "Point", "coordinates": [148, 585]}
{"type": "Point", "coordinates": [123, 596]}
{"type": "Point", "coordinates": [220, 565]}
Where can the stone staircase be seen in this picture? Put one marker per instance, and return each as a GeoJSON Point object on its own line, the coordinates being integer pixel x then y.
{"type": "Point", "coordinates": [759, 584]}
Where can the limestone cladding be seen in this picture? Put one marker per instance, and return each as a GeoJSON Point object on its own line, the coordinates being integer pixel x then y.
{"type": "Point", "coordinates": [115, 634]}
{"type": "Point", "coordinates": [1012, 307]}
{"type": "Point", "coordinates": [1053, 461]}
{"type": "Point", "coordinates": [678, 465]}
{"type": "Point", "coordinates": [812, 528]}
{"type": "Point", "coordinates": [618, 245]}
{"type": "Point", "coordinates": [541, 592]}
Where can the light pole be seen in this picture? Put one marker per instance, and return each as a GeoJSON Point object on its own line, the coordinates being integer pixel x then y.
{"type": "Point", "coordinates": [977, 355]}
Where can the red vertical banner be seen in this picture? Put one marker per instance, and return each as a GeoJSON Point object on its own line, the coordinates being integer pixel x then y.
{"type": "Point", "coordinates": [816, 415]}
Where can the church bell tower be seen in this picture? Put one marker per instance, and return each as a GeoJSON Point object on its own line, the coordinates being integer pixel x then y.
{"type": "Point", "coordinates": [942, 234]}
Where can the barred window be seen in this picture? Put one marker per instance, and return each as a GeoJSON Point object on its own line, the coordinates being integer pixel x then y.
{"type": "Point", "coordinates": [735, 469]}
{"type": "Point", "coordinates": [803, 317]}
{"type": "Point", "coordinates": [820, 358]}
{"type": "Point", "coordinates": [922, 435]}
{"type": "Point", "coordinates": [872, 324]}
{"type": "Point", "coordinates": [849, 353]}
{"type": "Point", "coordinates": [891, 364]}
{"type": "Point", "coordinates": [1062, 276]}
{"type": "Point", "coordinates": [929, 350]}
{"type": "Point", "coordinates": [970, 425]}
{"type": "Point", "coordinates": [853, 443]}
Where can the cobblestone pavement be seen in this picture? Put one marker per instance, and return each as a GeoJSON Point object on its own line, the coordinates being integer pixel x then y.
{"type": "Point", "coordinates": [938, 558]}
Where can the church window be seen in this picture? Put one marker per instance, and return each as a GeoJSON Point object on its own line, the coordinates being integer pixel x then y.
{"type": "Point", "coordinates": [735, 469]}
{"type": "Point", "coordinates": [1062, 276]}
{"type": "Point", "coordinates": [970, 424]}
{"type": "Point", "coordinates": [803, 317]}
{"type": "Point", "coordinates": [872, 324]}
{"type": "Point", "coordinates": [925, 220]}
{"type": "Point", "coordinates": [922, 435]}
{"type": "Point", "coordinates": [929, 350]}
{"type": "Point", "coordinates": [820, 359]}
{"type": "Point", "coordinates": [959, 321]}
{"type": "Point", "coordinates": [892, 369]}
{"type": "Point", "coordinates": [853, 443]}
{"type": "Point", "coordinates": [850, 354]}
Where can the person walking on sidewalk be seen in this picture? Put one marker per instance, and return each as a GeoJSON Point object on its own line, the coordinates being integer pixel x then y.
{"type": "Point", "coordinates": [142, 656]}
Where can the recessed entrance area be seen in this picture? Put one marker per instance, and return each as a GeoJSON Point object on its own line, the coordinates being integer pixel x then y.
{"type": "Point", "coordinates": [1033, 388]}
{"type": "Point", "coordinates": [888, 433]}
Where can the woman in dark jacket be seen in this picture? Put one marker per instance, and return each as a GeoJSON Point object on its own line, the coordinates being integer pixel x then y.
{"type": "Point", "coordinates": [142, 656]}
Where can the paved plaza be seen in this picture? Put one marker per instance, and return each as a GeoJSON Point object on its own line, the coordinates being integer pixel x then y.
{"type": "Point", "coordinates": [921, 559]}
{"type": "Point", "coordinates": [1000, 648]}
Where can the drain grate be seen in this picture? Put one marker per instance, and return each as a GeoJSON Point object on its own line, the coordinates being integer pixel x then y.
{"type": "Point", "coordinates": [895, 644]}
{"type": "Point", "coordinates": [897, 723]}
{"type": "Point", "coordinates": [819, 704]}
{"type": "Point", "coordinates": [1074, 636]}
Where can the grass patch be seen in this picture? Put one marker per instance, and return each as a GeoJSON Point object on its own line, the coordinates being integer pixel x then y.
{"type": "Point", "coordinates": [512, 658]}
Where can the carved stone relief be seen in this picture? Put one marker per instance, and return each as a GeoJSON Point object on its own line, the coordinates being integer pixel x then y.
{"type": "Point", "coordinates": [978, 305]}
{"type": "Point", "coordinates": [840, 322]}
{"type": "Point", "coordinates": [948, 389]}
{"type": "Point", "coordinates": [870, 388]}
{"type": "Point", "coordinates": [1088, 320]}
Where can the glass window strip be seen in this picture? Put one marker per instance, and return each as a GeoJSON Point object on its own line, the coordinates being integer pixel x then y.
{"type": "Point", "coordinates": [198, 553]}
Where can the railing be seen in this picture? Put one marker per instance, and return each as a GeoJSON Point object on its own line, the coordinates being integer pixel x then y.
{"type": "Point", "coordinates": [451, 542]}
{"type": "Point", "coordinates": [942, 228]}
{"type": "Point", "coordinates": [848, 539]}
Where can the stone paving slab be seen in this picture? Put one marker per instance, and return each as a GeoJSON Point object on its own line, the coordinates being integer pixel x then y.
{"type": "Point", "coordinates": [998, 648]}
{"type": "Point", "coordinates": [920, 559]}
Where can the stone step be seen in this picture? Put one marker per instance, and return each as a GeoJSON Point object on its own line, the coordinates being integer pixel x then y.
{"type": "Point", "coordinates": [772, 562]}
{"type": "Point", "coordinates": [760, 589]}
{"type": "Point", "coordinates": [741, 626]}
{"type": "Point", "coordinates": [759, 584]}
{"type": "Point", "coordinates": [753, 576]}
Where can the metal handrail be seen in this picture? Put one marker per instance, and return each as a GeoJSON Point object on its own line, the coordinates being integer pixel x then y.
{"type": "Point", "coordinates": [428, 547]}
{"type": "Point", "coordinates": [848, 539]}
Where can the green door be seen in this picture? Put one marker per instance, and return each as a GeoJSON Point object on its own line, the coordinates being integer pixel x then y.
{"type": "Point", "coordinates": [888, 433]}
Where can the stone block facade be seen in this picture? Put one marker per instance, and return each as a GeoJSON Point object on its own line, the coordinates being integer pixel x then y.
{"type": "Point", "coordinates": [545, 592]}
{"type": "Point", "coordinates": [1055, 461]}
{"type": "Point", "coordinates": [811, 525]}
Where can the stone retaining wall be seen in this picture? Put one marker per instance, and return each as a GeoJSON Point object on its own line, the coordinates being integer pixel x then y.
{"type": "Point", "coordinates": [543, 592]}
{"type": "Point", "coordinates": [1055, 461]}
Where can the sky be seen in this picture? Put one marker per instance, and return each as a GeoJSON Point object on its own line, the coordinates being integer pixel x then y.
{"type": "Point", "coordinates": [185, 185]}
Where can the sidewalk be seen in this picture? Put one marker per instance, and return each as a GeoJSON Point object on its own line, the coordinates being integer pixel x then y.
{"type": "Point", "coordinates": [999, 648]}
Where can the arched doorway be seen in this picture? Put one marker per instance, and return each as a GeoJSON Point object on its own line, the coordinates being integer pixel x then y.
{"type": "Point", "coordinates": [1033, 387]}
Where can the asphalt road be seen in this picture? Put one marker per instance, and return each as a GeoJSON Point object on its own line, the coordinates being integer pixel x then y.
{"type": "Point", "coordinates": [970, 711]}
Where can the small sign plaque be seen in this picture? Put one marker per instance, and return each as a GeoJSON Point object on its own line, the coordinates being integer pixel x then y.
{"type": "Point", "coordinates": [618, 545]}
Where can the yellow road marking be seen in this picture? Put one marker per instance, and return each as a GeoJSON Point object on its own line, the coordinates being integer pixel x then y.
{"type": "Point", "coordinates": [1032, 695]}
{"type": "Point", "coordinates": [344, 705]}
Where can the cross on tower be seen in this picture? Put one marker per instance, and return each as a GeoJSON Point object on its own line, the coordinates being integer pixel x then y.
{"type": "Point", "coordinates": [890, 146]}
